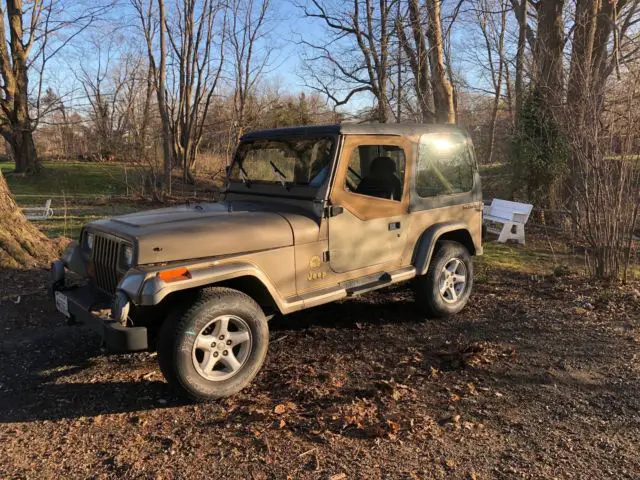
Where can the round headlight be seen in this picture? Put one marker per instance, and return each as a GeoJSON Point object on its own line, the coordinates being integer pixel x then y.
{"type": "Point", "coordinates": [90, 239]}
{"type": "Point", "coordinates": [127, 256]}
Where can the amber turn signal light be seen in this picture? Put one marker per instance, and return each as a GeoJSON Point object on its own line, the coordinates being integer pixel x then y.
{"type": "Point", "coordinates": [174, 275]}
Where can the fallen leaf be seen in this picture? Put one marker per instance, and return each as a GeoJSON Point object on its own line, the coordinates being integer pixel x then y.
{"type": "Point", "coordinates": [280, 409]}
{"type": "Point", "coordinates": [374, 431]}
{"type": "Point", "coordinates": [394, 427]}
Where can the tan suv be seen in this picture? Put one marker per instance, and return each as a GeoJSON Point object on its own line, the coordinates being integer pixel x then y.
{"type": "Point", "coordinates": [309, 215]}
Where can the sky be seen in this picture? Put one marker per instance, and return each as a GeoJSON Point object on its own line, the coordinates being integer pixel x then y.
{"type": "Point", "coordinates": [288, 27]}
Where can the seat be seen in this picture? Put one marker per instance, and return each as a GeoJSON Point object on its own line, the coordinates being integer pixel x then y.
{"type": "Point", "coordinates": [382, 181]}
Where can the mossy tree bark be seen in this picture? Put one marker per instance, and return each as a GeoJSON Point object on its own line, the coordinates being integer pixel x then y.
{"type": "Point", "coordinates": [22, 245]}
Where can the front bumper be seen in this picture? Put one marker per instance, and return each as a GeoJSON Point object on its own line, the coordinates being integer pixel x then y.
{"type": "Point", "coordinates": [81, 301]}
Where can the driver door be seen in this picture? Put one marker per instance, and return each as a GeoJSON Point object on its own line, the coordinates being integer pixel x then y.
{"type": "Point", "coordinates": [371, 186]}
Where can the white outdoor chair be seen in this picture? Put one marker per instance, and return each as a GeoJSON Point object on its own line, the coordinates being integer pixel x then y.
{"type": "Point", "coordinates": [511, 215]}
{"type": "Point", "coordinates": [39, 213]}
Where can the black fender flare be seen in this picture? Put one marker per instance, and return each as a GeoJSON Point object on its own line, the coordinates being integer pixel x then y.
{"type": "Point", "coordinates": [427, 243]}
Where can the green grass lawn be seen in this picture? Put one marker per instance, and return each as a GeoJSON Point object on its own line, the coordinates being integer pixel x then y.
{"type": "Point", "coordinates": [80, 192]}
{"type": "Point", "coordinates": [66, 178]}
{"type": "Point", "coordinates": [534, 259]}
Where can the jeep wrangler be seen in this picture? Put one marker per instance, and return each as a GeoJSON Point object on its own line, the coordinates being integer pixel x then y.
{"type": "Point", "coordinates": [308, 215]}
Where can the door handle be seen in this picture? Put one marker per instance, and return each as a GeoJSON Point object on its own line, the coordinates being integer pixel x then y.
{"type": "Point", "coordinates": [394, 226]}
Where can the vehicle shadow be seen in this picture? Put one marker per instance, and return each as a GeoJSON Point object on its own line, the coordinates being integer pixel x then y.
{"type": "Point", "coordinates": [65, 373]}
{"type": "Point", "coordinates": [388, 306]}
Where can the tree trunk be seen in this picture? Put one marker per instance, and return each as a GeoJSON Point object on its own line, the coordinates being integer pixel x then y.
{"type": "Point", "coordinates": [549, 52]}
{"type": "Point", "coordinates": [582, 72]}
{"type": "Point", "coordinates": [522, 39]}
{"type": "Point", "coordinates": [162, 104]}
{"type": "Point", "coordinates": [23, 151]}
{"type": "Point", "coordinates": [418, 59]}
{"type": "Point", "coordinates": [442, 88]}
{"type": "Point", "coordinates": [22, 245]}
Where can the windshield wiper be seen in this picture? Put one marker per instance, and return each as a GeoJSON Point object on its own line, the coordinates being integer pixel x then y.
{"type": "Point", "coordinates": [281, 176]}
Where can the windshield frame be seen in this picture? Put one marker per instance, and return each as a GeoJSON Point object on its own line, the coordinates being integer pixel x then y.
{"type": "Point", "coordinates": [275, 188]}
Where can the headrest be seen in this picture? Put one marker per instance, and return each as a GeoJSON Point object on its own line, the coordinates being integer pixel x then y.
{"type": "Point", "coordinates": [383, 165]}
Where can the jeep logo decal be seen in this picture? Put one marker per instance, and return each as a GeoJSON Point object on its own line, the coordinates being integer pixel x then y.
{"type": "Point", "coordinates": [314, 262]}
{"type": "Point", "coordinates": [316, 275]}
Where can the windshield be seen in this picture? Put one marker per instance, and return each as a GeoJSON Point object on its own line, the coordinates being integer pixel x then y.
{"type": "Point", "coordinates": [296, 161]}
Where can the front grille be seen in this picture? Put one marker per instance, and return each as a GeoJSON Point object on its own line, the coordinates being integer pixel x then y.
{"type": "Point", "coordinates": [105, 262]}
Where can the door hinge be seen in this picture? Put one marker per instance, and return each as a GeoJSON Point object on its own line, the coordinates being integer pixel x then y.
{"type": "Point", "coordinates": [326, 256]}
{"type": "Point", "coordinates": [334, 210]}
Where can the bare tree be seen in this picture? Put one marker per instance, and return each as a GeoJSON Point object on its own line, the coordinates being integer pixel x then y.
{"type": "Point", "coordinates": [150, 25]}
{"type": "Point", "coordinates": [250, 53]}
{"type": "Point", "coordinates": [119, 93]}
{"type": "Point", "coordinates": [443, 97]}
{"type": "Point", "coordinates": [604, 185]}
{"type": "Point", "coordinates": [521, 10]}
{"type": "Point", "coordinates": [103, 96]}
{"type": "Point", "coordinates": [549, 45]}
{"type": "Point", "coordinates": [493, 33]}
{"type": "Point", "coordinates": [417, 53]}
{"type": "Point", "coordinates": [24, 52]}
{"type": "Point", "coordinates": [605, 188]}
{"type": "Point", "coordinates": [356, 56]}
{"type": "Point", "coordinates": [196, 32]}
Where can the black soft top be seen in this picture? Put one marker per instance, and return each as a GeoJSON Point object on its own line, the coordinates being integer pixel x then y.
{"type": "Point", "coordinates": [353, 129]}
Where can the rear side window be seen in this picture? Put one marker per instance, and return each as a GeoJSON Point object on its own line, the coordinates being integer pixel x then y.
{"type": "Point", "coordinates": [376, 171]}
{"type": "Point", "coordinates": [445, 165]}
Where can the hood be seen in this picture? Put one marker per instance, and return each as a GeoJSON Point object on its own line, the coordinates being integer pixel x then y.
{"type": "Point", "coordinates": [194, 231]}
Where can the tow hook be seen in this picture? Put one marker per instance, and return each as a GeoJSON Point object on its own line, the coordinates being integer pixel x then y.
{"type": "Point", "coordinates": [120, 308]}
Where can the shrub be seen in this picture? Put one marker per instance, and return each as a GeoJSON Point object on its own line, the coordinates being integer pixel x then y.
{"type": "Point", "coordinates": [539, 154]}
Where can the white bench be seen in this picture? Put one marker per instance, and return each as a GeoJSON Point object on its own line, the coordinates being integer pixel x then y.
{"type": "Point", "coordinates": [511, 215]}
{"type": "Point", "coordinates": [39, 213]}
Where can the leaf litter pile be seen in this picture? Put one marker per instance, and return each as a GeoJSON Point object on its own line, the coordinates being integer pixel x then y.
{"type": "Point", "coordinates": [539, 377]}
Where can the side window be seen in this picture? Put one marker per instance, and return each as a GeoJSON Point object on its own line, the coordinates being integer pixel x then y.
{"type": "Point", "coordinates": [445, 165]}
{"type": "Point", "coordinates": [376, 171]}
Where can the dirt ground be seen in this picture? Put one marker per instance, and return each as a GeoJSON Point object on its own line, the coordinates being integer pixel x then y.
{"type": "Point", "coordinates": [538, 378]}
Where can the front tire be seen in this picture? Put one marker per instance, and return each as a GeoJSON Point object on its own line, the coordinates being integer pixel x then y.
{"type": "Point", "coordinates": [445, 288]}
{"type": "Point", "coordinates": [214, 348]}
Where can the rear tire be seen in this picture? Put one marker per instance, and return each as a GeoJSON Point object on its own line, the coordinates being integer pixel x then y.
{"type": "Point", "coordinates": [216, 347]}
{"type": "Point", "coordinates": [445, 288]}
